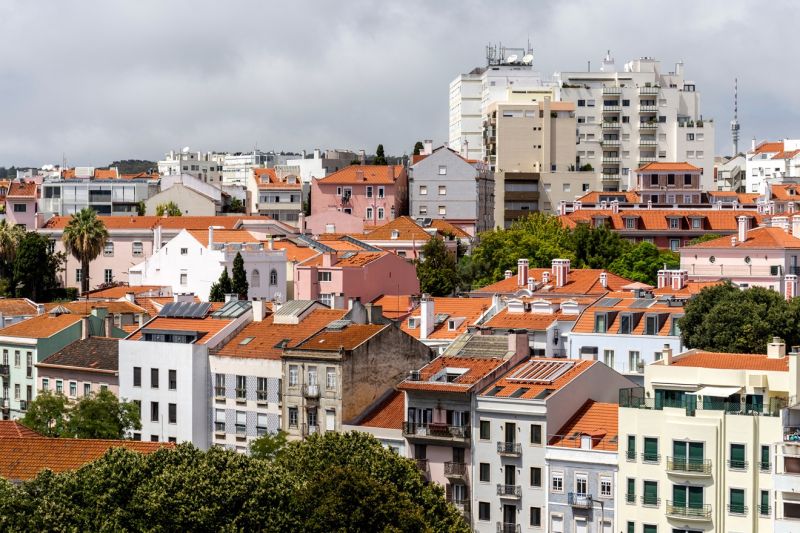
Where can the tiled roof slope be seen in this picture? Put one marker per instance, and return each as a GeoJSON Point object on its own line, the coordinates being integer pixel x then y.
{"type": "Point", "coordinates": [388, 414]}
{"type": "Point", "coordinates": [579, 281]}
{"type": "Point", "coordinates": [659, 219]}
{"type": "Point", "coordinates": [758, 238]}
{"type": "Point", "coordinates": [468, 309]}
{"type": "Point", "coordinates": [476, 369]}
{"type": "Point", "coordinates": [16, 307]}
{"type": "Point", "coordinates": [506, 387]}
{"type": "Point", "coordinates": [364, 174]}
{"type": "Point", "coordinates": [665, 167]}
{"type": "Point", "coordinates": [599, 420]}
{"type": "Point", "coordinates": [12, 429]}
{"type": "Point", "coordinates": [40, 327]}
{"type": "Point", "coordinates": [92, 353]}
{"type": "Point", "coordinates": [21, 189]}
{"type": "Point", "coordinates": [731, 361]}
{"type": "Point", "coordinates": [348, 338]}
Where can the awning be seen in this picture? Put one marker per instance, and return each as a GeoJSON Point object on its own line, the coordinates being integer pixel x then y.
{"type": "Point", "coordinates": [718, 392]}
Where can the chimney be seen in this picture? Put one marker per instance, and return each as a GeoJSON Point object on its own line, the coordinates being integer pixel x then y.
{"type": "Point", "coordinates": [374, 313]}
{"type": "Point", "coordinates": [329, 259]}
{"type": "Point", "coordinates": [507, 274]}
{"type": "Point", "coordinates": [522, 272]}
{"type": "Point", "coordinates": [259, 310]}
{"type": "Point", "coordinates": [796, 226]}
{"type": "Point", "coordinates": [108, 323]}
{"type": "Point", "coordinates": [518, 342]}
{"type": "Point", "coordinates": [39, 309]}
{"type": "Point", "coordinates": [742, 228]}
{"type": "Point", "coordinates": [85, 328]}
{"type": "Point", "coordinates": [210, 236]}
{"type": "Point", "coordinates": [362, 157]}
{"type": "Point", "coordinates": [679, 279]}
{"type": "Point", "coordinates": [301, 223]}
{"type": "Point", "coordinates": [666, 354]}
{"type": "Point", "coordinates": [231, 297]}
{"type": "Point", "coordinates": [604, 279]}
{"type": "Point", "coordinates": [776, 349]}
{"type": "Point", "coordinates": [546, 277]}
{"type": "Point", "coordinates": [577, 205]}
{"type": "Point", "coordinates": [662, 278]}
{"type": "Point", "coordinates": [650, 204]}
{"type": "Point", "coordinates": [426, 316]}
{"type": "Point", "coordinates": [753, 144]}
{"type": "Point", "coordinates": [790, 289]}
{"type": "Point", "coordinates": [130, 297]}
{"type": "Point", "coordinates": [531, 284]}
{"type": "Point", "coordinates": [427, 147]}
{"type": "Point", "coordinates": [271, 243]}
{"type": "Point", "coordinates": [316, 153]}
{"type": "Point", "coordinates": [560, 269]}
{"type": "Point", "coordinates": [183, 297]}
{"type": "Point", "coordinates": [615, 206]}
{"type": "Point", "coordinates": [733, 242]}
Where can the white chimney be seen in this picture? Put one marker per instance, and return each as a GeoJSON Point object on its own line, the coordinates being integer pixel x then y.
{"type": "Point", "coordinates": [733, 241]}
{"type": "Point", "coordinates": [666, 354]}
{"type": "Point", "coordinates": [531, 284]}
{"type": "Point", "coordinates": [796, 226]}
{"type": "Point", "coordinates": [776, 349]}
{"type": "Point", "coordinates": [679, 279]}
{"type": "Point", "coordinates": [427, 147]}
{"type": "Point", "coordinates": [210, 236]}
{"type": "Point", "coordinates": [259, 310]}
{"type": "Point", "coordinates": [130, 297]}
{"type": "Point", "coordinates": [742, 228]}
{"type": "Point", "coordinates": [662, 278]}
{"type": "Point", "coordinates": [522, 272]}
{"type": "Point", "coordinates": [604, 279]}
{"type": "Point", "coordinates": [426, 316]}
{"type": "Point", "coordinates": [545, 277]}
{"type": "Point", "coordinates": [790, 288]}
{"type": "Point", "coordinates": [507, 274]}
{"type": "Point", "coordinates": [560, 269]}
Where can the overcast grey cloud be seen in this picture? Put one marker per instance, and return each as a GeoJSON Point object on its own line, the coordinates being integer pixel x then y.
{"type": "Point", "coordinates": [103, 80]}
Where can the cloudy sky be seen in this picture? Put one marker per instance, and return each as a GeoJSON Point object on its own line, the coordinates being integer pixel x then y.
{"type": "Point", "coordinates": [104, 80]}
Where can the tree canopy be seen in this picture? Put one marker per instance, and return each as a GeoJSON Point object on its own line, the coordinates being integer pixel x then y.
{"type": "Point", "coordinates": [84, 237]}
{"type": "Point", "coordinates": [724, 318]}
{"type": "Point", "coordinates": [437, 271]}
{"type": "Point", "coordinates": [418, 147]}
{"type": "Point", "coordinates": [330, 482]}
{"type": "Point", "coordinates": [221, 287]}
{"type": "Point", "coordinates": [239, 283]}
{"type": "Point", "coordinates": [642, 262]}
{"type": "Point", "coordinates": [380, 157]}
{"type": "Point", "coordinates": [169, 209]}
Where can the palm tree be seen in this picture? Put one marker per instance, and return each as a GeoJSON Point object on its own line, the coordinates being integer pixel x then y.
{"type": "Point", "coordinates": [10, 236]}
{"type": "Point", "coordinates": [85, 237]}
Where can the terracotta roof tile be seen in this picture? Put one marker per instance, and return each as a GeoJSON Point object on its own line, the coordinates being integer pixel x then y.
{"type": "Point", "coordinates": [373, 174]}
{"type": "Point", "coordinates": [356, 260]}
{"type": "Point", "coordinates": [659, 219]}
{"type": "Point", "coordinates": [12, 429]}
{"type": "Point", "coordinates": [768, 147]}
{"type": "Point", "coordinates": [690, 289]}
{"type": "Point", "coordinates": [294, 252]}
{"type": "Point", "coordinates": [731, 361]}
{"type": "Point", "coordinates": [786, 154]}
{"type": "Point", "coordinates": [785, 192]}
{"type": "Point", "coordinates": [595, 197]}
{"type": "Point", "coordinates": [348, 338]}
{"type": "Point", "coordinates": [508, 387]}
{"type": "Point", "coordinates": [21, 189]}
{"type": "Point", "coordinates": [476, 369]}
{"type": "Point", "coordinates": [586, 322]}
{"type": "Point", "coordinates": [166, 222]}
{"type": "Point", "coordinates": [24, 457]}
{"type": "Point", "coordinates": [663, 167]}
{"type": "Point", "coordinates": [92, 353]}
{"type": "Point", "coordinates": [120, 291]}
{"type": "Point", "coordinates": [527, 320]}
{"type": "Point", "coordinates": [466, 309]}
{"type": "Point", "coordinates": [16, 307]}
{"type": "Point", "coordinates": [407, 229]}
{"type": "Point", "coordinates": [579, 282]}
{"type": "Point", "coordinates": [208, 326]}
{"type": "Point", "coordinates": [599, 420]}
{"type": "Point", "coordinates": [266, 178]}
{"type": "Point", "coordinates": [758, 238]}
{"type": "Point", "coordinates": [40, 327]}
{"type": "Point", "coordinates": [224, 236]}
{"type": "Point", "coordinates": [395, 306]}
{"type": "Point", "coordinates": [444, 227]}
{"type": "Point", "coordinates": [84, 307]}
{"type": "Point", "coordinates": [388, 414]}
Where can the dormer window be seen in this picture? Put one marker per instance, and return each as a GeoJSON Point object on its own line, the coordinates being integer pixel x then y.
{"type": "Point", "coordinates": [674, 223]}
{"type": "Point", "coordinates": [413, 322]}
{"type": "Point", "coordinates": [697, 223]}
{"type": "Point", "coordinates": [651, 325]}
{"type": "Point", "coordinates": [451, 325]}
{"type": "Point", "coordinates": [600, 322]}
{"type": "Point", "coordinates": [395, 234]}
{"type": "Point", "coordinates": [625, 324]}
{"type": "Point", "coordinates": [630, 223]}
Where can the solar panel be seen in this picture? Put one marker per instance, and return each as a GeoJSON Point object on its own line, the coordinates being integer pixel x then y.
{"type": "Point", "coordinates": [338, 325]}
{"type": "Point", "coordinates": [642, 303]}
{"type": "Point", "coordinates": [439, 318]}
{"type": "Point", "coordinates": [544, 394]}
{"type": "Point", "coordinates": [184, 310]}
{"type": "Point", "coordinates": [494, 391]}
{"type": "Point", "coordinates": [519, 392]}
{"type": "Point", "coordinates": [167, 309]}
{"type": "Point", "coordinates": [609, 302]}
{"type": "Point", "coordinates": [536, 371]}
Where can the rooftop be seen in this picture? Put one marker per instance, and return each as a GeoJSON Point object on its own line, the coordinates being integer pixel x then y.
{"type": "Point", "coordinates": [84, 307]}
{"type": "Point", "coordinates": [526, 320]}
{"type": "Point", "coordinates": [730, 361]}
{"type": "Point", "coordinates": [40, 327]}
{"type": "Point", "coordinates": [667, 167]}
{"type": "Point", "coordinates": [21, 189]}
{"type": "Point", "coordinates": [120, 291]}
{"type": "Point", "coordinates": [92, 353]}
{"type": "Point", "coordinates": [463, 312]}
{"type": "Point", "coordinates": [617, 305]}
{"type": "Point", "coordinates": [206, 327]}
{"type": "Point", "coordinates": [536, 378]}
{"type": "Point", "coordinates": [659, 219]}
{"type": "Point", "coordinates": [166, 222]}
{"type": "Point", "coordinates": [371, 174]}
{"type": "Point", "coordinates": [351, 259]}
{"type": "Point", "coordinates": [17, 307]}
{"type": "Point", "coordinates": [579, 281]}
{"type": "Point", "coordinates": [594, 419]}
{"type": "Point", "coordinates": [12, 429]}
{"type": "Point", "coordinates": [476, 345]}
{"type": "Point", "coordinates": [400, 229]}
{"type": "Point", "coordinates": [388, 414]}
{"type": "Point", "coordinates": [767, 147]}
{"type": "Point", "coordinates": [224, 236]}
{"type": "Point", "coordinates": [452, 374]}
{"type": "Point", "coordinates": [348, 337]}
{"type": "Point", "coordinates": [758, 238]}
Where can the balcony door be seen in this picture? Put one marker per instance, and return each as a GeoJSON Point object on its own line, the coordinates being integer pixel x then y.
{"type": "Point", "coordinates": [511, 475]}
{"type": "Point", "coordinates": [691, 497]}
{"type": "Point", "coordinates": [311, 415]}
{"type": "Point", "coordinates": [509, 514]}
{"type": "Point", "coordinates": [687, 455]}
{"type": "Point", "coordinates": [511, 432]}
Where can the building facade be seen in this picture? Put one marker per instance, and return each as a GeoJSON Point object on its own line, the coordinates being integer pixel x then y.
{"type": "Point", "coordinates": [206, 167]}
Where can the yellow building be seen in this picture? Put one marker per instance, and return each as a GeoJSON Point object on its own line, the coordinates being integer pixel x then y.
{"type": "Point", "coordinates": [697, 441]}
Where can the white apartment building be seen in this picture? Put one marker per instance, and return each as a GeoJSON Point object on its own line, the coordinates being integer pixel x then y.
{"type": "Point", "coordinates": [772, 163]}
{"type": "Point", "coordinates": [238, 167]}
{"type": "Point", "coordinates": [317, 165]}
{"type": "Point", "coordinates": [206, 167]}
{"type": "Point", "coordinates": [730, 173]}
{"type": "Point", "coordinates": [164, 368]}
{"type": "Point", "coordinates": [637, 115]}
{"type": "Point", "coordinates": [511, 422]}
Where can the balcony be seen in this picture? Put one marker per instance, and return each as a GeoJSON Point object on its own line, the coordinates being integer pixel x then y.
{"type": "Point", "coordinates": [648, 142]}
{"type": "Point", "coordinates": [612, 90]}
{"type": "Point", "coordinates": [509, 491]}
{"type": "Point", "coordinates": [454, 470]}
{"type": "Point", "coordinates": [647, 159]}
{"type": "Point", "coordinates": [508, 527]}
{"type": "Point", "coordinates": [609, 142]}
{"type": "Point", "coordinates": [630, 456]}
{"type": "Point", "coordinates": [610, 125]}
{"type": "Point", "coordinates": [510, 449]}
{"type": "Point", "coordinates": [697, 513]}
{"type": "Point", "coordinates": [436, 433]}
{"type": "Point", "coordinates": [271, 207]}
{"type": "Point", "coordinates": [611, 160]}
{"type": "Point", "coordinates": [739, 510]}
{"type": "Point", "coordinates": [653, 458]}
{"type": "Point", "coordinates": [422, 465]}
{"type": "Point", "coordinates": [310, 429]}
{"type": "Point", "coordinates": [648, 109]}
{"type": "Point", "coordinates": [5, 371]}
{"type": "Point", "coordinates": [630, 498]}
{"type": "Point", "coordinates": [311, 392]}
{"type": "Point", "coordinates": [734, 464]}
{"type": "Point", "coordinates": [651, 501]}
{"type": "Point", "coordinates": [648, 125]}
{"type": "Point", "coordinates": [649, 91]}
{"type": "Point", "coordinates": [764, 510]}
{"type": "Point", "coordinates": [610, 177]}
{"type": "Point", "coordinates": [580, 501]}
{"type": "Point", "coordinates": [689, 467]}
{"type": "Point", "coordinates": [611, 109]}
{"type": "Point", "coordinates": [461, 505]}
{"type": "Point", "coordinates": [633, 398]}
{"type": "Point", "coordinates": [765, 466]}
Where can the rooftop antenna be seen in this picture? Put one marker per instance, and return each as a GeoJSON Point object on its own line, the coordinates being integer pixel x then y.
{"type": "Point", "coordinates": [735, 122]}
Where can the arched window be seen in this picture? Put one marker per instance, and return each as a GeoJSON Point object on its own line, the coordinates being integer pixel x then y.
{"type": "Point", "coordinates": [255, 279]}
{"type": "Point", "coordinates": [273, 277]}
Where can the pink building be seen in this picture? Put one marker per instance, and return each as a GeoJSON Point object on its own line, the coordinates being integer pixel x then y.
{"type": "Point", "coordinates": [21, 204]}
{"type": "Point", "coordinates": [332, 221]}
{"type": "Point", "coordinates": [764, 256]}
{"type": "Point", "coordinates": [406, 236]}
{"type": "Point", "coordinates": [670, 183]}
{"type": "Point", "coordinates": [334, 278]}
{"type": "Point", "coordinates": [81, 368]}
{"type": "Point", "coordinates": [376, 193]}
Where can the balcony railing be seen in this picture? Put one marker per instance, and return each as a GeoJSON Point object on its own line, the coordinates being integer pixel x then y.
{"type": "Point", "coordinates": [582, 501]}
{"type": "Point", "coordinates": [651, 458]}
{"type": "Point", "coordinates": [611, 177]}
{"type": "Point", "coordinates": [647, 142]}
{"type": "Point", "coordinates": [630, 498]}
{"type": "Point", "coordinates": [461, 505]}
{"type": "Point", "coordinates": [648, 125]}
{"type": "Point", "coordinates": [735, 464]}
{"type": "Point", "coordinates": [219, 427]}
{"type": "Point", "coordinates": [609, 142]}
{"type": "Point", "coordinates": [509, 491]}
{"type": "Point", "coordinates": [310, 429]}
{"type": "Point", "coordinates": [611, 109]}
{"type": "Point", "coordinates": [422, 464]}
{"type": "Point", "coordinates": [433, 430]}
{"type": "Point", "coordinates": [648, 108]}
{"type": "Point", "coordinates": [612, 90]}
{"type": "Point", "coordinates": [455, 470]}
{"type": "Point", "coordinates": [610, 125]}
{"type": "Point", "coordinates": [764, 510]}
{"type": "Point", "coordinates": [649, 90]}
{"type": "Point", "coordinates": [701, 467]}
{"type": "Point", "coordinates": [311, 391]}
{"type": "Point", "coordinates": [509, 448]}
{"type": "Point", "coordinates": [737, 509]}
{"type": "Point", "coordinates": [4, 371]}
{"type": "Point", "coordinates": [610, 160]}
{"type": "Point", "coordinates": [508, 527]}
{"type": "Point", "coordinates": [651, 501]}
{"type": "Point", "coordinates": [765, 466]}
{"type": "Point", "coordinates": [630, 455]}
{"type": "Point", "coordinates": [693, 512]}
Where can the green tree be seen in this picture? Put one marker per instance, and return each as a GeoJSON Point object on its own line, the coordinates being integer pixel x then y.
{"type": "Point", "coordinates": [437, 271]}
{"type": "Point", "coordinates": [418, 147]}
{"type": "Point", "coordinates": [170, 209]}
{"type": "Point", "coordinates": [268, 446]}
{"type": "Point", "coordinates": [642, 263]}
{"type": "Point", "coordinates": [10, 237]}
{"type": "Point", "coordinates": [141, 208]}
{"type": "Point", "coordinates": [221, 287]}
{"type": "Point", "coordinates": [102, 416]}
{"type": "Point", "coordinates": [236, 206]}
{"type": "Point", "coordinates": [47, 414]}
{"type": "Point", "coordinates": [239, 283]}
{"type": "Point", "coordinates": [35, 268]}
{"type": "Point", "coordinates": [84, 237]}
{"type": "Point", "coordinates": [596, 247]}
{"type": "Point", "coordinates": [704, 238]}
{"type": "Point", "coordinates": [380, 157]}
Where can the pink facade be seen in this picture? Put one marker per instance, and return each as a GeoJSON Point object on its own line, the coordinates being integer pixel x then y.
{"type": "Point", "coordinates": [21, 204]}
{"type": "Point", "coordinates": [333, 221]}
{"type": "Point", "coordinates": [63, 378]}
{"type": "Point", "coordinates": [376, 194]}
{"type": "Point", "coordinates": [365, 275]}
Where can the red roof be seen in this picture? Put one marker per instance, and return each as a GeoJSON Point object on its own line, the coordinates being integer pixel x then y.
{"type": "Point", "coordinates": [345, 260]}
{"type": "Point", "coordinates": [166, 222]}
{"type": "Point", "coordinates": [348, 338]}
{"type": "Point", "coordinates": [758, 238]}
{"type": "Point", "coordinates": [476, 369]}
{"type": "Point", "coordinates": [731, 361]}
{"type": "Point", "coordinates": [41, 326]}
{"type": "Point", "coordinates": [388, 414]}
{"type": "Point", "coordinates": [11, 429]}
{"type": "Point", "coordinates": [659, 219]}
{"type": "Point", "coordinates": [786, 154]}
{"type": "Point", "coordinates": [207, 327]}
{"type": "Point", "coordinates": [769, 147]}
{"type": "Point", "coordinates": [367, 174]}
{"type": "Point", "coordinates": [579, 281]}
{"type": "Point", "coordinates": [21, 189]}
{"type": "Point", "coordinates": [595, 419]}
{"type": "Point", "coordinates": [512, 386]}
{"type": "Point", "coordinates": [667, 167]}
{"type": "Point", "coordinates": [267, 178]}
{"type": "Point", "coordinates": [465, 310]}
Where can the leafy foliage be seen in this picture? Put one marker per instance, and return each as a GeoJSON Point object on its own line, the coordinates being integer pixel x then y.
{"type": "Point", "coordinates": [35, 268]}
{"type": "Point", "coordinates": [239, 283]}
{"type": "Point", "coordinates": [84, 237]}
{"type": "Point", "coordinates": [221, 287]}
{"type": "Point", "coordinates": [170, 209]}
{"type": "Point", "coordinates": [268, 446]}
{"type": "Point", "coordinates": [380, 157]}
{"type": "Point", "coordinates": [642, 262]}
{"type": "Point", "coordinates": [98, 416]}
{"type": "Point", "coordinates": [141, 208]}
{"type": "Point", "coordinates": [236, 206]}
{"type": "Point", "coordinates": [332, 482]}
{"type": "Point", "coordinates": [596, 247]}
{"type": "Point", "coordinates": [418, 147]}
{"type": "Point", "coordinates": [134, 166]}
{"type": "Point", "coordinates": [704, 238]}
{"type": "Point", "coordinates": [437, 271]}
{"type": "Point", "coordinates": [725, 319]}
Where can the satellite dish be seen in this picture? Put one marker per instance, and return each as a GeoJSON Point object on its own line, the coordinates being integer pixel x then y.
{"type": "Point", "coordinates": [185, 150]}
{"type": "Point", "coordinates": [512, 58]}
{"type": "Point", "coordinates": [527, 59]}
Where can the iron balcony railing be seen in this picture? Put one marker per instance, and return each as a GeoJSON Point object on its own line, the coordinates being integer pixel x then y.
{"type": "Point", "coordinates": [689, 466]}
{"type": "Point", "coordinates": [509, 491]}
{"type": "Point", "coordinates": [691, 512]}
{"type": "Point", "coordinates": [764, 510]}
{"type": "Point", "coordinates": [508, 527]}
{"type": "Point", "coordinates": [736, 464]}
{"type": "Point", "coordinates": [737, 509]}
{"type": "Point", "coordinates": [461, 505]}
{"type": "Point", "coordinates": [651, 501]}
{"type": "Point", "coordinates": [651, 457]}
{"type": "Point", "coordinates": [311, 391]}
{"type": "Point", "coordinates": [765, 466]}
{"type": "Point", "coordinates": [422, 464]}
{"type": "Point", "coordinates": [633, 398]}
{"type": "Point", "coordinates": [630, 455]}
{"type": "Point", "coordinates": [455, 469]}
{"type": "Point", "coordinates": [509, 448]}
{"type": "Point", "coordinates": [630, 497]}
{"type": "Point", "coordinates": [583, 501]}
{"type": "Point", "coordinates": [435, 430]}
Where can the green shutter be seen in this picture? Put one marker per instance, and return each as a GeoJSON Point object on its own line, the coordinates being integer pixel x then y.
{"type": "Point", "coordinates": [737, 500]}
{"type": "Point", "coordinates": [696, 451]}
{"type": "Point", "coordinates": [649, 528]}
{"type": "Point", "coordinates": [737, 456]}
{"type": "Point", "coordinates": [650, 492]}
{"type": "Point", "coordinates": [679, 496]}
{"type": "Point", "coordinates": [650, 449]}
{"type": "Point", "coordinates": [764, 502]}
{"type": "Point", "coordinates": [632, 447]}
{"type": "Point", "coordinates": [631, 527]}
{"type": "Point", "coordinates": [679, 454]}
{"type": "Point", "coordinates": [630, 496]}
{"type": "Point", "coordinates": [765, 458]}
{"type": "Point", "coordinates": [659, 399]}
{"type": "Point", "coordinates": [695, 497]}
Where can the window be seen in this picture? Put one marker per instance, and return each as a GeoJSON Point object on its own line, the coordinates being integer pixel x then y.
{"type": "Point", "coordinates": [173, 379]}
{"type": "Point", "coordinates": [327, 299]}
{"type": "Point", "coordinates": [20, 208]}
{"type": "Point", "coordinates": [293, 375]}
{"type": "Point", "coordinates": [241, 388]}
{"type": "Point", "coordinates": [536, 517]}
{"type": "Point", "coordinates": [108, 275]}
{"type": "Point", "coordinates": [442, 170]}
{"type": "Point", "coordinates": [737, 457]}
{"type": "Point", "coordinates": [293, 417]}
{"type": "Point", "coordinates": [423, 190]}
{"type": "Point", "coordinates": [605, 486]}
{"type": "Point", "coordinates": [87, 389]}
{"type": "Point", "coordinates": [17, 358]}
{"type": "Point", "coordinates": [330, 378]}
{"type": "Point", "coordinates": [650, 493]}
{"type": "Point", "coordinates": [255, 278]}
{"type": "Point", "coordinates": [608, 358]}
{"type": "Point", "coordinates": [369, 213]}
{"type": "Point", "coordinates": [45, 384]}
{"type": "Point", "coordinates": [557, 482]}
{"type": "Point", "coordinates": [423, 210]}
{"type": "Point", "coordinates": [763, 508]}
{"type": "Point", "coordinates": [536, 476]}
{"type": "Point", "coordinates": [736, 505]}
{"type": "Point", "coordinates": [323, 275]}
{"type": "Point", "coordinates": [153, 411]}
{"type": "Point", "coordinates": [484, 430]}
{"type": "Point", "coordinates": [108, 249]}
{"type": "Point", "coordinates": [59, 386]}
{"type": "Point", "coordinates": [581, 103]}
{"type": "Point", "coordinates": [184, 278]}
{"type": "Point", "coordinates": [630, 223]}
{"type": "Point", "coordinates": [381, 192]}
{"type": "Point", "coordinates": [380, 213]}
{"type": "Point", "coordinates": [154, 378]}
{"type": "Point", "coordinates": [442, 190]}
{"type": "Point", "coordinates": [536, 434]}
{"type": "Point", "coordinates": [138, 249]}
{"type": "Point", "coordinates": [690, 136]}
{"type": "Point", "coordinates": [565, 187]}
{"type": "Point", "coordinates": [650, 454]}
{"type": "Point", "coordinates": [442, 210]}
{"type": "Point", "coordinates": [172, 413]}
{"type": "Point", "coordinates": [484, 511]}
{"type": "Point", "coordinates": [651, 325]}
{"type": "Point", "coordinates": [73, 389]}
{"type": "Point", "coordinates": [764, 462]}
{"type": "Point", "coordinates": [369, 191]}
{"type": "Point", "coordinates": [634, 362]}
{"type": "Point", "coordinates": [338, 191]}
{"type": "Point", "coordinates": [137, 376]}
{"type": "Point", "coordinates": [78, 275]}
{"type": "Point", "coordinates": [674, 244]}
{"type": "Point", "coordinates": [484, 472]}
{"type": "Point", "coordinates": [600, 323]}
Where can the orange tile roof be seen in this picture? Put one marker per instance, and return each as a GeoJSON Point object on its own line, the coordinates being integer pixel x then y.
{"type": "Point", "coordinates": [730, 361]}
{"type": "Point", "coordinates": [207, 327]}
{"type": "Point", "coordinates": [599, 420]}
{"type": "Point", "coordinates": [372, 174]}
{"type": "Point", "coordinates": [786, 154]}
{"type": "Point", "coordinates": [294, 252]}
{"type": "Point", "coordinates": [664, 167]}
{"type": "Point", "coordinates": [121, 290]}
{"type": "Point", "coordinates": [16, 307]}
{"type": "Point", "coordinates": [476, 369]}
{"type": "Point", "coordinates": [11, 429]}
{"type": "Point", "coordinates": [23, 458]}
{"type": "Point", "coordinates": [357, 260]}
{"type": "Point", "coordinates": [768, 147]}
{"type": "Point", "coordinates": [594, 197]}
{"type": "Point", "coordinates": [527, 320]}
{"type": "Point", "coordinates": [153, 304]}
{"type": "Point", "coordinates": [83, 307]}
{"type": "Point", "coordinates": [225, 236]}
{"type": "Point", "coordinates": [105, 173]}
{"type": "Point", "coordinates": [788, 192]}
{"type": "Point", "coordinates": [21, 189]}
{"type": "Point", "coordinates": [758, 238]}
{"type": "Point", "coordinates": [348, 338]}
{"type": "Point", "coordinates": [585, 323]}
{"type": "Point", "coordinates": [266, 178]}
{"type": "Point", "coordinates": [388, 414]}
{"type": "Point", "coordinates": [690, 289]}
{"type": "Point", "coordinates": [470, 309]}
{"type": "Point", "coordinates": [444, 227]}
{"type": "Point", "coordinates": [40, 327]}
{"type": "Point", "coordinates": [509, 386]}
{"type": "Point", "coordinates": [579, 281]}
{"type": "Point", "coordinates": [338, 244]}
{"type": "Point", "coordinates": [395, 306]}
{"type": "Point", "coordinates": [265, 335]}
{"type": "Point", "coordinates": [166, 222]}
{"type": "Point", "coordinates": [659, 219]}
{"type": "Point", "coordinates": [407, 227]}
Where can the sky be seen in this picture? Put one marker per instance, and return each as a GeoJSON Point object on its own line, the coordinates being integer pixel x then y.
{"type": "Point", "coordinates": [100, 80]}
